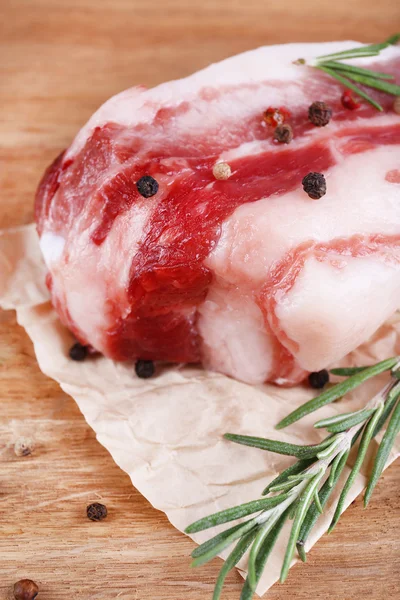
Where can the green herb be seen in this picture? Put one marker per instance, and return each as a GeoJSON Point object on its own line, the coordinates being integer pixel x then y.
{"type": "Point", "coordinates": [337, 391]}
{"type": "Point", "coordinates": [287, 473]}
{"type": "Point", "coordinates": [232, 560]}
{"type": "Point", "coordinates": [384, 450]}
{"type": "Point", "coordinates": [346, 74]}
{"type": "Point", "coordinates": [278, 447]}
{"type": "Point", "coordinates": [347, 371]}
{"type": "Point", "coordinates": [263, 555]}
{"type": "Point", "coordinates": [302, 491]}
{"type": "Point", "coordinates": [340, 423]}
{"type": "Point", "coordinates": [231, 514]}
{"type": "Point", "coordinates": [362, 451]}
{"type": "Point", "coordinates": [324, 494]}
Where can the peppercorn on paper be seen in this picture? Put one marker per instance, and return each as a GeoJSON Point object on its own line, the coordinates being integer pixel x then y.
{"type": "Point", "coordinates": [166, 432]}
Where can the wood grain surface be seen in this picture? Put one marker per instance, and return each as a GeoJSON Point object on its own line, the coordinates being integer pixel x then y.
{"type": "Point", "coordinates": [59, 61]}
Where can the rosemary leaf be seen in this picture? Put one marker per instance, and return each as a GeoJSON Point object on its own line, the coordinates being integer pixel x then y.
{"type": "Point", "coordinates": [317, 502]}
{"type": "Point", "coordinates": [304, 503]}
{"type": "Point", "coordinates": [209, 544]}
{"type": "Point", "coordinates": [278, 447]}
{"type": "Point", "coordinates": [263, 555]}
{"type": "Point", "coordinates": [346, 371]}
{"type": "Point", "coordinates": [237, 512]}
{"type": "Point", "coordinates": [372, 82]}
{"type": "Point", "coordinates": [337, 391]}
{"type": "Point", "coordinates": [232, 561]}
{"type": "Point", "coordinates": [393, 39]}
{"type": "Point", "coordinates": [385, 447]}
{"type": "Point", "coordinates": [313, 513]}
{"type": "Point", "coordinates": [301, 551]}
{"type": "Point", "coordinates": [212, 553]}
{"type": "Point", "coordinates": [347, 83]}
{"type": "Point", "coordinates": [293, 509]}
{"type": "Point", "coordinates": [294, 469]}
{"type": "Point", "coordinates": [335, 465]}
{"type": "Point", "coordinates": [262, 533]}
{"type": "Point", "coordinates": [356, 436]}
{"type": "Point", "coordinates": [362, 450]}
{"type": "Point", "coordinates": [301, 477]}
{"type": "Point", "coordinates": [392, 398]}
{"type": "Point", "coordinates": [331, 64]}
{"type": "Point", "coordinates": [330, 450]}
{"type": "Point", "coordinates": [325, 423]}
{"type": "Point", "coordinates": [362, 51]}
{"type": "Point", "coordinates": [284, 486]}
{"type": "Point", "coordinates": [351, 421]}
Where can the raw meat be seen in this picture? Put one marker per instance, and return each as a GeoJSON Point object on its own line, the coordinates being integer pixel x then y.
{"type": "Point", "coordinates": [248, 275]}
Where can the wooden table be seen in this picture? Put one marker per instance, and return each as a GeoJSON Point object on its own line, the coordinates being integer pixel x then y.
{"type": "Point", "coordinates": [59, 61]}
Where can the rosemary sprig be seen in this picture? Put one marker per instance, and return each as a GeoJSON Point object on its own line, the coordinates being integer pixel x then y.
{"type": "Point", "coordinates": [278, 447]}
{"type": "Point", "coordinates": [302, 491]}
{"type": "Point", "coordinates": [346, 74]}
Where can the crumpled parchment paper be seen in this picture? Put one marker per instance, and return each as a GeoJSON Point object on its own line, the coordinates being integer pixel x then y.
{"type": "Point", "coordinates": [166, 432]}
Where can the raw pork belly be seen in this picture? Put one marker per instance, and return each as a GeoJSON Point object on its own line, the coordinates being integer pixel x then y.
{"type": "Point", "coordinates": [248, 275]}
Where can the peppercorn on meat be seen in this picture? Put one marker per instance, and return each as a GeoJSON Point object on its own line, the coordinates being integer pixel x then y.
{"type": "Point", "coordinates": [186, 224]}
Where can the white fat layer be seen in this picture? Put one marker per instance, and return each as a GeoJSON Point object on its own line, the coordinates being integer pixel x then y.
{"type": "Point", "coordinates": [331, 310]}
{"type": "Point", "coordinates": [235, 341]}
{"type": "Point", "coordinates": [244, 150]}
{"type": "Point", "coordinates": [52, 247]}
{"type": "Point", "coordinates": [102, 272]}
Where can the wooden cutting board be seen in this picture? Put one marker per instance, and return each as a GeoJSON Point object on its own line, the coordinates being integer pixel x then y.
{"type": "Point", "coordinates": [59, 61]}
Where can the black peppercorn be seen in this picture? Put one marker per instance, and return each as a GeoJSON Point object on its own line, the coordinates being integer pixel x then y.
{"type": "Point", "coordinates": [319, 114]}
{"type": "Point", "coordinates": [144, 369]}
{"type": "Point", "coordinates": [96, 511]}
{"type": "Point", "coordinates": [318, 379]}
{"type": "Point", "coordinates": [25, 589]}
{"type": "Point", "coordinates": [314, 184]}
{"type": "Point", "coordinates": [147, 186]}
{"type": "Point", "coordinates": [24, 446]}
{"type": "Point", "coordinates": [78, 352]}
{"type": "Point", "coordinates": [283, 134]}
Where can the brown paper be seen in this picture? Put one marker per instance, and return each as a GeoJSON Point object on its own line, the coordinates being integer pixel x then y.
{"type": "Point", "coordinates": [166, 432]}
